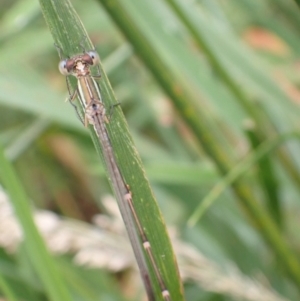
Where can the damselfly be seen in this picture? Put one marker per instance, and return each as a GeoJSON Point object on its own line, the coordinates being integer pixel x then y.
{"type": "Point", "coordinates": [88, 92]}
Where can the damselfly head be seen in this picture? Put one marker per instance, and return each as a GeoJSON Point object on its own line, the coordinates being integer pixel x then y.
{"type": "Point", "coordinates": [79, 64]}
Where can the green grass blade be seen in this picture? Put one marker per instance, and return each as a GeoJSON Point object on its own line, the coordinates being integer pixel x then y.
{"type": "Point", "coordinates": [260, 153]}
{"type": "Point", "coordinates": [298, 2]}
{"type": "Point", "coordinates": [185, 100]}
{"type": "Point", "coordinates": [206, 42]}
{"type": "Point", "coordinates": [69, 33]}
{"type": "Point", "coordinates": [6, 290]}
{"type": "Point", "coordinates": [34, 245]}
{"type": "Point", "coordinates": [267, 177]}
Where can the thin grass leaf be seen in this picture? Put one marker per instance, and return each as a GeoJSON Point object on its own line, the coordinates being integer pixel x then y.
{"type": "Point", "coordinates": [267, 177]}
{"type": "Point", "coordinates": [26, 137]}
{"type": "Point", "coordinates": [260, 153]}
{"type": "Point", "coordinates": [7, 291]}
{"type": "Point", "coordinates": [36, 250]}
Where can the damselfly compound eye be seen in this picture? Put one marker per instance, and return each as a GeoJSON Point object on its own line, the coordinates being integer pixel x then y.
{"type": "Point", "coordinates": [62, 66]}
{"type": "Point", "coordinates": [94, 56]}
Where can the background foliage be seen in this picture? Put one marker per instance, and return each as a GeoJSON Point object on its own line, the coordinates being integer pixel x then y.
{"type": "Point", "coordinates": [238, 62]}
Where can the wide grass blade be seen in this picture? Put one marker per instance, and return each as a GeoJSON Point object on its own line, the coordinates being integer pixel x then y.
{"type": "Point", "coordinates": [71, 37]}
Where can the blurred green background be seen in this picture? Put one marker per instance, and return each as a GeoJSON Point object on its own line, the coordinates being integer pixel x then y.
{"type": "Point", "coordinates": [243, 77]}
